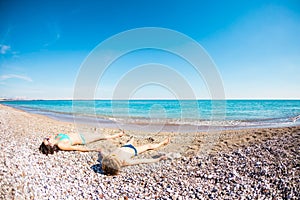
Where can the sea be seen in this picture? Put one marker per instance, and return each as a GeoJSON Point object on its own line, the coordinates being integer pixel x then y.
{"type": "Point", "coordinates": [168, 115]}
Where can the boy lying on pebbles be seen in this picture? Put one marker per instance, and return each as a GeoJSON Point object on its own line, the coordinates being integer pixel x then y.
{"type": "Point", "coordinates": [112, 163]}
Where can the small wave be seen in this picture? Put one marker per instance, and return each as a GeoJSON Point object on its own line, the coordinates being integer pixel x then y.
{"type": "Point", "coordinates": [274, 122]}
{"type": "Point", "coordinates": [295, 119]}
{"type": "Point", "coordinates": [192, 122]}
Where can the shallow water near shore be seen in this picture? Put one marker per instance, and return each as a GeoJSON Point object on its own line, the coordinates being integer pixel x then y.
{"type": "Point", "coordinates": [169, 115]}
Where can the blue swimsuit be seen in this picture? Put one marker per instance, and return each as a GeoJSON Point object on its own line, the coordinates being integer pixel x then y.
{"type": "Point", "coordinates": [62, 136]}
{"type": "Point", "coordinates": [132, 147]}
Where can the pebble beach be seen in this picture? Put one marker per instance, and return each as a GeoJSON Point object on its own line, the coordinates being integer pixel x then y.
{"type": "Point", "coordinates": [240, 164]}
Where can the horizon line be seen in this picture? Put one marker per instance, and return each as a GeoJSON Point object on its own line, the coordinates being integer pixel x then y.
{"type": "Point", "coordinates": [141, 99]}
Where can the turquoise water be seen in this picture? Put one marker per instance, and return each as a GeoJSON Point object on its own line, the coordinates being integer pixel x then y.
{"type": "Point", "coordinates": [201, 113]}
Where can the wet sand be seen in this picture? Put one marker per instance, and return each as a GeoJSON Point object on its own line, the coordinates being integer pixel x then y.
{"type": "Point", "coordinates": [250, 163]}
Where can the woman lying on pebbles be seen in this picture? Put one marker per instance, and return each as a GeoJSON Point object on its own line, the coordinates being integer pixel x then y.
{"type": "Point", "coordinates": [112, 163]}
{"type": "Point", "coordinates": [66, 142]}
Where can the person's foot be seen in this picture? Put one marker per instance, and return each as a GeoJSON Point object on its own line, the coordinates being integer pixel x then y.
{"type": "Point", "coordinates": [163, 157]}
{"type": "Point", "coordinates": [166, 141]}
{"type": "Point", "coordinates": [121, 133]}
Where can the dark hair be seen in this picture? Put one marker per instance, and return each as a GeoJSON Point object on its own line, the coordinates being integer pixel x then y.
{"type": "Point", "coordinates": [47, 149]}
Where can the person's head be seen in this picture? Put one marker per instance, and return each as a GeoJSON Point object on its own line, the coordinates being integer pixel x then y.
{"type": "Point", "coordinates": [47, 148]}
{"type": "Point", "coordinates": [111, 165]}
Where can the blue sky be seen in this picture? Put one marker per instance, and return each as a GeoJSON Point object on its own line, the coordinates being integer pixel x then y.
{"type": "Point", "coordinates": [254, 44]}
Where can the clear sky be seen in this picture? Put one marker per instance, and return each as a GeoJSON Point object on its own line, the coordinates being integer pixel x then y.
{"type": "Point", "coordinates": [254, 44]}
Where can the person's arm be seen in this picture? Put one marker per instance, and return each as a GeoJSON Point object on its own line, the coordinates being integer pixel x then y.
{"type": "Point", "coordinates": [65, 147]}
{"type": "Point", "coordinates": [143, 161]}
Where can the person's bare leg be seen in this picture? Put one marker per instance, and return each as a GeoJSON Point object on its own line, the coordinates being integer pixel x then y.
{"type": "Point", "coordinates": [103, 137]}
{"type": "Point", "coordinates": [115, 135]}
{"type": "Point", "coordinates": [147, 147]}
